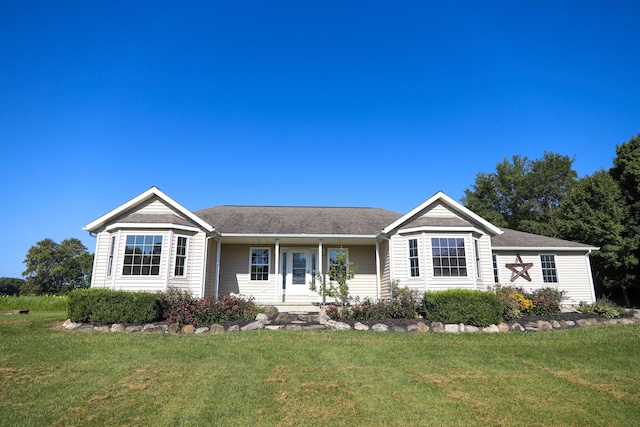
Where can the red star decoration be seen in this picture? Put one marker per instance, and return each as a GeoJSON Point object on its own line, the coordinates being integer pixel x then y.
{"type": "Point", "coordinates": [524, 266]}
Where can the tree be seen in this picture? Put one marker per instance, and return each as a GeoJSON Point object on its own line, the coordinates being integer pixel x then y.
{"type": "Point", "coordinates": [341, 270]}
{"type": "Point", "coordinates": [594, 213]}
{"type": "Point", "coordinates": [626, 172]}
{"type": "Point", "coordinates": [10, 286]}
{"type": "Point", "coordinates": [54, 268]}
{"type": "Point", "coordinates": [523, 194]}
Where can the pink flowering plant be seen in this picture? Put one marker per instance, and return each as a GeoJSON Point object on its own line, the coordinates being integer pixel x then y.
{"type": "Point", "coordinates": [206, 311]}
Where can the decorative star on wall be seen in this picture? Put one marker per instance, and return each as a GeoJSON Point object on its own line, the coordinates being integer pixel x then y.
{"type": "Point", "coordinates": [520, 269]}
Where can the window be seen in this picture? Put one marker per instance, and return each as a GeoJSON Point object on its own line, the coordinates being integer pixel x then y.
{"type": "Point", "coordinates": [549, 273]}
{"type": "Point", "coordinates": [181, 256]}
{"type": "Point", "coordinates": [413, 258]}
{"type": "Point", "coordinates": [111, 249]}
{"type": "Point", "coordinates": [332, 261]}
{"type": "Point", "coordinates": [496, 276]}
{"type": "Point", "coordinates": [259, 268]}
{"type": "Point", "coordinates": [449, 258]}
{"type": "Point", "coordinates": [142, 256]}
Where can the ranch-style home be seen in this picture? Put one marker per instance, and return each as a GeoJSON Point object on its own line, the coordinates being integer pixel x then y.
{"type": "Point", "coordinates": [152, 243]}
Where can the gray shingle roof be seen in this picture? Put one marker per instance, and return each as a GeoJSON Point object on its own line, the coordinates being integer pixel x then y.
{"type": "Point", "coordinates": [520, 239]}
{"type": "Point", "coordinates": [298, 220]}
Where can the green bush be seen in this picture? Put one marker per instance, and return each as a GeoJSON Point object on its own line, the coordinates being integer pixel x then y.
{"type": "Point", "coordinates": [470, 307]}
{"type": "Point", "coordinates": [604, 308]}
{"type": "Point", "coordinates": [546, 301]}
{"type": "Point", "coordinates": [101, 306]}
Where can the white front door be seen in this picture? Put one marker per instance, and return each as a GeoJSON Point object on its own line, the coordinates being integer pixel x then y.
{"type": "Point", "coordinates": [298, 265]}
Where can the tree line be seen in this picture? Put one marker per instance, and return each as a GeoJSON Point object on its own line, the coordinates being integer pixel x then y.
{"type": "Point", "coordinates": [545, 196]}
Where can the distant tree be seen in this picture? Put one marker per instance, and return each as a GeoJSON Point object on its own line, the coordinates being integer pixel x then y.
{"type": "Point", "coordinates": [523, 194]}
{"type": "Point", "coordinates": [10, 286]}
{"type": "Point", "coordinates": [594, 213]}
{"type": "Point", "coordinates": [54, 268]}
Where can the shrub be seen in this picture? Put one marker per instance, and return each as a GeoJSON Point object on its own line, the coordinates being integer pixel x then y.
{"type": "Point", "coordinates": [171, 299]}
{"type": "Point", "coordinates": [546, 301]}
{"type": "Point", "coordinates": [403, 304]}
{"type": "Point", "coordinates": [470, 307]}
{"type": "Point", "coordinates": [514, 302]}
{"type": "Point", "coordinates": [209, 310]}
{"type": "Point", "coordinates": [604, 308]}
{"type": "Point", "coordinates": [100, 306]}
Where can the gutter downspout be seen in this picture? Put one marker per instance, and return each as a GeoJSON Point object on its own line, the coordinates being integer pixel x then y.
{"type": "Point", "coordinates": [377, 269]}
{"type": "Point", "coordinates": [593, 289]}
{"type": "Point", "coordinates": [380, 238]}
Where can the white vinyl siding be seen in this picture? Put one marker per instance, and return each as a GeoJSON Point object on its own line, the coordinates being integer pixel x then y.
{"type": "Point", "coordinates": [235, 277]}
{"type": "Point", "coordinates": [572, 268]}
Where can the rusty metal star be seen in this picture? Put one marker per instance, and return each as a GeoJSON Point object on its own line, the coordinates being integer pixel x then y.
{"type": "Point", "coordinates": [524, 266]}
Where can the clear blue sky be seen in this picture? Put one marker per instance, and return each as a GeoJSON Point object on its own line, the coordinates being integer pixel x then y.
{"type": "Point", "coordinates": [356, 103]}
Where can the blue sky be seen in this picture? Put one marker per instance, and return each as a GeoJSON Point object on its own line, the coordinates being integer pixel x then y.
{"type": "Point", "coordinates": [333, 103]}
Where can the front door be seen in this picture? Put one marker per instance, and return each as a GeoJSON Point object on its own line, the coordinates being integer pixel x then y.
{"type": "Point", "coordinates": [298, 265]}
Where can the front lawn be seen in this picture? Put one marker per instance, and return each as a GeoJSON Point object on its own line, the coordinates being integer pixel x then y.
{"type": "Point", "coordinates": [575, 377]}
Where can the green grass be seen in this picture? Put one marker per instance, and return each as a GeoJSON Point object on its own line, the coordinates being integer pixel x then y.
{"type": "Point", "coordinates": [34, 303]}
{"type": "Point", "coordinates": [570, 378]}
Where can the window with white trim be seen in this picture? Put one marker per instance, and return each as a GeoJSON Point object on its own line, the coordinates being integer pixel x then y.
{"type": "Point", "coordinates": [414, 267]}
{"type": "Point", "coordinates": [449, 256]}
{"type": "Point", "coordinates": [112, 246]}
{"type": "Point", "coordinates": [549, 272]}
{"type": "Point", "coordinates": [142, 255]}
{"type": "Point", "coordinates": [181, 257]}
{"type": "Point", "coordinates": [259, 264]}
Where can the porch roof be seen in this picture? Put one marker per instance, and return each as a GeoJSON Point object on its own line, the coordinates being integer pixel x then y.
{"type": "Point", "coordinates": [298, 220]}
{"type": "Point", "coordinates": [513, 239]}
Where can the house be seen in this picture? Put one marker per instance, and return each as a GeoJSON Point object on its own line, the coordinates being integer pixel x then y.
{"type": "Point", "coordinates": [152, 243]}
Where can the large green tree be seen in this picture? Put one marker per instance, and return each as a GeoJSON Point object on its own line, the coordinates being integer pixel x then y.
{"type": "Point", "coordinates": [594, 213]}
{"type": "Point", "coordinates": [54, 268]}
{"type": "Point", "coordinates": [626, 172]}
{"type": "Point", "coordinates": [523, 194]}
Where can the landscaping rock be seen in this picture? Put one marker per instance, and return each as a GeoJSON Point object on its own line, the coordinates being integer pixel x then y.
{"type": "Point", "coordinates": [282, 317]}
{"type": "Point", "coordinates": [340, 326]}
{"type": "Point", "coordinates": [270, 311]}
{"type": "Point", "coordinates": [380, 327]}
{"type": "Point", "coordinates": [360, 327]}
{"type": "Point", "coordinates": [188, 330]}
{"type": "Point", "coordinates": [102, 328]}
{"type": "Point", "coordinates": [202, 330]}
{"type": "Point", "coordinates": [397, 328]}
{"type": "Point", "coordinates": [314, 327]}
{"type": "Point", "coordinates": [452, 328]}
{"type": "Point", "coordinates": [261, 317]}
{"type": "Point", "coordinates": [517, 327]}
{"type": "Point", "coordinates": [470, 328]}
{"type": "Point", "coordinates": [85, 328]}
{"type": "Point", "coordinates": [293, 327]}
{"type": "Point", "coordinates": [234, 328]}
{"type": "Point", "coordinates": [10, 312]}
{"type": "Point", "coordinates": [555, 324]}
{"type": "Point", "coordinates": [160, 329]}
{"type": "Point", "coordinates": [117, 327]}
{"type": "Point", "coordinates": [216, 328]}
{"type": "Point", "coordinates": [492, 329]}
{"type": "Point", "coordinates": [422, 327]}
{"type": "Point", "coordinates": [68, 324]}
{"type": "Point", "coordinates": [148, 328]}
{"type": "Point", "coordinates": [133, 328]}
{"type": "Point", "coordinates": [503, 327]}
{"type": "Point", "coordinates": [276, 327]}
{"type": "Point", "coordinates": [437, 327]}
{"type": "Point", "coordinates": [253, 326]}
{"type": "Point", "coordinates": [544, 326]}
{"type": "Point", "coordinates": [567, 324]}
{"type": "Point", "coordinates": [174, 328]}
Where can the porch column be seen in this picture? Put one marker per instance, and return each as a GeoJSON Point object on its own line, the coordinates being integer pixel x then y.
{"type": "Point", "coordinates": [377, 269]}
{"type": "Point", "coordinates": [277, 270]}
{"type": "Point", "coordinates": [320, 257]}
{"type": "Point", "coordinates": [217, 285]}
